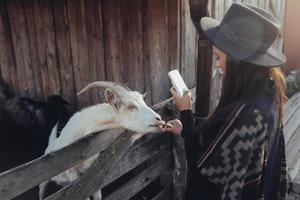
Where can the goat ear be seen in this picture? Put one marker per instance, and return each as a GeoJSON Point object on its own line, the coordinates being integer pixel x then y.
{"type": "Point", "coordinates": [112, 98]}
{"type": "Point", "coordinates": [144, 95]}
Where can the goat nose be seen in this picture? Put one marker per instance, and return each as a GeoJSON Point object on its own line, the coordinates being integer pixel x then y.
{"type": "Point", "coordinates": [158, 118]}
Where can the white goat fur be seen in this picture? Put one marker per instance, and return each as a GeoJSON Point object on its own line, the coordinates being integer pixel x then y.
{"type": "Point", "coordinates": [132, 114]}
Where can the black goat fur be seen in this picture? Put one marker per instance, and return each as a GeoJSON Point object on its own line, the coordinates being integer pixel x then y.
{"type": "Point", "coordinates": [25, 127]}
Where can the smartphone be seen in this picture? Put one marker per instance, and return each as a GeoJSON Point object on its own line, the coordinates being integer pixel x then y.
{"type": "Point", "coordinates": [178, 82]}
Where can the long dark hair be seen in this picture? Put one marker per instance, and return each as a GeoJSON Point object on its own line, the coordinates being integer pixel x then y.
{"type": "Point", "coordinates": [241, 77]}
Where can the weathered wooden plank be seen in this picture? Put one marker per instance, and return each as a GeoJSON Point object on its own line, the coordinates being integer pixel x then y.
{"type": "Point", "coordinates": [64, 56]}
{"type": "Point", "coordinates": [94, 26]}
{"type": "Point", "coordinates": [95, 175]}
{"type": "Point", "coordinates": [14, 182]}
{"type": "Point", "coordinates": [46, 47]}
{"type": "Point", "coordinates": [293, 162]}
{"type": "Point", "coordinates": [131, 14]}
{"type": "Point", "coordinates": [188, 46]}
{"type": "Point", "coordinates": [24, 177]}
{"type": "Point", "coordinates": [180, 169]}
{"type": "Point", "coordinates": [204, 77]}
{"type": "Point", "coordinates": [78, 38]}
{"type": "Point", "coordinates": [291, 125]}
{"type": "Point", "coordinates": [4, 69]}
{"type": "Point", "coordinates": [146, 56]}
{"type": "Point", "coordinates": [29, 9]}
{"type": "Point", "coordinates": [113, 41]}
{"type": "Point", "coordinates": [204, 62]}
{"type": "Point", "coordinates": [290, 106]}
{"type": "Point", "coordinates": [157, 48]}
{"type": "Point", "coordinates": [50, 52]}
{"type": "Point", "coordinates": [165, 194]}
{"type": "Point", "coordinates": [174, 33]}
{"type": "Point", "coordinates": [41, 49]}
{"type": "Point", "coordinates": [154, 146]}
{"type": "Point", "coordinates": [21, 47]}
{"type": "Point", "coordinates": [292, 143]}
{"type": "Point", "coordinates": [291, 130]}
{"type": "Point", "coordinates": [140, 181]}
{"type": "Point", "coordinates": [7, 61]}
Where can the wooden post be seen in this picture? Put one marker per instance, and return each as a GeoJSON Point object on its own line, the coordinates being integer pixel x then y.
{"type": "Point", "coordinates": [96, 173]}
{"type": "Point", "coordinates": [204, 60]}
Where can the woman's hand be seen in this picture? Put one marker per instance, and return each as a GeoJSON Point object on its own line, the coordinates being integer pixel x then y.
{"type": "Point", "coordinates": [182, 103]}
{"type": "Point", "coordinates": [174, 126]}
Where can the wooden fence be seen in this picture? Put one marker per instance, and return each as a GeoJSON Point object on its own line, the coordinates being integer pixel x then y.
{"type": "Point", "coordinates": [121, 154]}
{"type": "Point", "coordinates": [158, 147]}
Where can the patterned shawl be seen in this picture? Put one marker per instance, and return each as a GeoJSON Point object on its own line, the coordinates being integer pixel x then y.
{"type": "Point", "coordinates": [241, 151]}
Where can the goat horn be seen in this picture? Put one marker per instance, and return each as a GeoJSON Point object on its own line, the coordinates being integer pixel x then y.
{"type": "Point", "coordinates": [105, 84]}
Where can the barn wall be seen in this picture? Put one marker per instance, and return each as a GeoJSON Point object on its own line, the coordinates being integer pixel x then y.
{"type": "Point", "coordinates": [58, 46]}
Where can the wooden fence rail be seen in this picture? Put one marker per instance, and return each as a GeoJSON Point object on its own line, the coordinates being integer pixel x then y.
{"type": "Point", "coordinates": [22, 178]}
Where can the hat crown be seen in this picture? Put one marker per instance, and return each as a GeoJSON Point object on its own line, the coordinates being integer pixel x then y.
{"type": "Point", "coordinates": [246, 33]}
{"type": "Point", "coordinates": [251, 27]}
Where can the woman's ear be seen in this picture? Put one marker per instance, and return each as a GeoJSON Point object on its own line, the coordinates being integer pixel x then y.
{"type": "Point", "coordinates": [112, 98]}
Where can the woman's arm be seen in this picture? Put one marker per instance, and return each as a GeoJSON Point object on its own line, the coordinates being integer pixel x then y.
{"type": "Point", "coordinates": [191, 140]}
{"type": "Point", "coordinates": [186, 126]}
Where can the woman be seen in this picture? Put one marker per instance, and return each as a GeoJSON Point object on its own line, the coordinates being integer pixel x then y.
{"type": "Point", "coordinates": [238, 152]}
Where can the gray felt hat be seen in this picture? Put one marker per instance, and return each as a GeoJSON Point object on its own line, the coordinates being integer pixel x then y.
{"type": "Point", "coordinates": [246, 33]}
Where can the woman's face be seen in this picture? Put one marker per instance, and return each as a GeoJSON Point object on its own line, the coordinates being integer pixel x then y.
{"type": "Point", "coordinates": [221, 58]}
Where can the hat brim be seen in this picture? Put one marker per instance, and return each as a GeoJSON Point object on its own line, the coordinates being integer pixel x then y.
{"type": "Point", "coordinates": [210, 28]}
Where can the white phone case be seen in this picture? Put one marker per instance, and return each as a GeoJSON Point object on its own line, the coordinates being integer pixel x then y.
{"type": "Point", "coordinates": [178, 82]}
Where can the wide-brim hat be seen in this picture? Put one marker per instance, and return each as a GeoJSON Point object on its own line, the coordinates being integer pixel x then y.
{"type": "Point", "coordinates": [246, 33]}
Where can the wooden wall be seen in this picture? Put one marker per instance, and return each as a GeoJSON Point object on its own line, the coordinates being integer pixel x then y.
{"type": "Point", "coordinates": [58, 46]}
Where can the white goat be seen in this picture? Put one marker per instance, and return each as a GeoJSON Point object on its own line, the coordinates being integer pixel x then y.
{"type": "Point", "coordinates": [124, 109]}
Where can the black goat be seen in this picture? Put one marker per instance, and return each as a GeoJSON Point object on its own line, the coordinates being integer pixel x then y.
{"type": "Point", "coordinates": [25, 127]}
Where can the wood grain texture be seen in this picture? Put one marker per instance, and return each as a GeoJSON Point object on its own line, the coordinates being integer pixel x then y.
{"type": "Point", "coordinates": [188, 46]}
{"type": "Point", "coordinates": [165, 194]}
{"type": "Point", "coordinates": [133, 44]}
{"type": "Point", "coordinates": [143, 179]}
{"type": "Point", "coordinates": [156, 18]}
{"type": "Point", "coordinates": [29, 14]}
{"type": "Point", "coordinates": [113, 40]}
{"type": "Point", "coordinates": [49, 47]}
{"type": "Point", "coordinates": [174, 33]}
{"type": "Point", "coordinates": [78, 37]}
{"type": "Point", "coordinates": [291, 132]}
{"type": "Point", "coordinates": [57, 47]}
{"type": "Point", "coordinates": [94, 26]}
{"type": "Point", "coordinates": [64, 54]}
{"type": "Point", "coordinates": [21, 47]}
{"type": "Point", "coordinates": [12, 182]}
{"type": "Point", "coordinates": [25, 177]}
{"type": "Point", "coordinates": [7, 60]}
{"type": "Point", "coordinates": [94, 176]}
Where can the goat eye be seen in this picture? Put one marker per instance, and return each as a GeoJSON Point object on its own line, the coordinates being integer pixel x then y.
{"type": "Point", "coordinates": [132, 107]}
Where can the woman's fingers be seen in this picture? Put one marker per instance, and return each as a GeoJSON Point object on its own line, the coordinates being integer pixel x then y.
{"type": "Point", "coordinates": [182, 103]}
{"type": "Point", "coordinates": [169, 125]}
{"type": "Point", "coordinates": [173, 126]}
{"type": "Point", "coordinates": [174, 93]}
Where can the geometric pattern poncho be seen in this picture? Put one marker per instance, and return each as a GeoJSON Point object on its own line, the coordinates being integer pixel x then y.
{"type": "Point", "coordinates": [238, 154]}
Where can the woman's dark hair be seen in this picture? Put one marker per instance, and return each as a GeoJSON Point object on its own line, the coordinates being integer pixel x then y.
{"type": "Point", "coordinates": [241, 77]}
